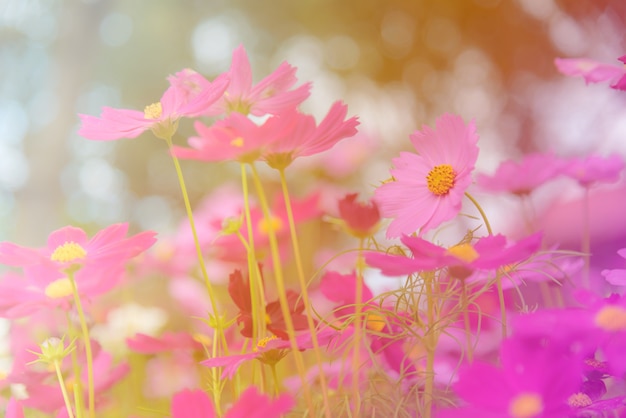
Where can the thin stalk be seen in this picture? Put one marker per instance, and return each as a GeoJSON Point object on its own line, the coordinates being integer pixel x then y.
{"type": "Point", "coordinates": [358, 330]}
{"type": "Point", "coordinates": [431, 342]}
{"type": "Point", "coordinates": [585, 245]}
{"type": "Point", "coordinates": [304, 290]}
{"type": "Point", "coordinates": [87, 342]}
{"type": "Point", "coordinates": [78, 384]}
{"type": "Point", "coordinates": [466, 321]}
{"type": "Point", "coordinates": [66, 398]}
{"type": "Point", "coordinates": [280, 285]}
{"type": "Point", "coordinates": [498, 275]}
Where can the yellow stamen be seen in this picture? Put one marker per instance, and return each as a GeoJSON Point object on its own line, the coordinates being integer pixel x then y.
{"type": "Point", "coordinates": [59, 288]}
{"type": "Point", "coordinates": [153, 111]}
{"type": "Point", "coordinates": [276, 224]}
{"type": "Point", "coordinates": [441, 179]}
{"type": "Point", "coordinates": [464, 252]}
{"type": "Point", "coordinates": [67, 252]}
{"type": "Point", "coordinates": [263, 342]}
{"type": "Point", "coordinates": [525, 405]}
{"type": "Point", "coordinates": [611, 318]}
{"type": "Point", "coordinates": [237, 142]}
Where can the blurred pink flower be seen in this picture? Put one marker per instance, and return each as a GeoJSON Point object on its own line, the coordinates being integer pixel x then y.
{"type": "Point", "coordinates": [428, 187]}
{"type": "Point", "coordinates": [161, 117]}
{"type": "Point", "coordinates": [595, 169]}
{"type": "Point", "coordinates": [69, 247]}
{"type": "Point", "coordinates": [594, 71]}
{"type": "Point", "coordinates": [270, 95]}
{"type": "Point", "coordinates": [523, 177]}
{"type": "Point", "coordinates": [251, 404]}
{"type": "Point", "coordinates": [616, 277]}
{"type": "Point", "coordinates": [534, 380]}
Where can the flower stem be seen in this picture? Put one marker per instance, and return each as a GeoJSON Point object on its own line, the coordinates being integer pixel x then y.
{"type": "Point", "coordinates": [87, 342]}
{"type": "Point", "coordinates": [280, 285]}
{"type": "Point", "coordinates": [466, 321]}
{"type": "Point", "coordinates": [192, 225]}
{"type": "Point", "coordinates": [431, 342]}
{"type": "Point", "coordinates": [66, 398]}
{"type": "Point", "coordinates": [358, 329]}
{"type": "Point", "coordinates": [498, 276]}
{"type": "Point", "coordinates": [78, 384]}
{"type": "Point", "coordinates": [304, 291]}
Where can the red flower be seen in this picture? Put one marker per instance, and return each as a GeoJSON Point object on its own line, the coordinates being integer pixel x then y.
{"type": "Point", "coordinates": [239, 290]}
{"type": "Point", "coordinates": [360, 218]}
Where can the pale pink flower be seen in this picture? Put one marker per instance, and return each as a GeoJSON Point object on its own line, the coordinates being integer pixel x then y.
{"type": "Point", "coordinates": [270, 95]}
{"type": "Point", "coordinates": [160, 117]}
{"type": "Point", "coordinates": [251, 404]}
{"type": "Point", "coordinates": [594, 71]}
{"type": "Point", "coordinates": [594, 168]}
{"type": "Point", "coordinates": [428, 187]}
{"type": "Point", "coordinates": [523, 177]}
{"type": "Point", "coordinates": [296, 134]}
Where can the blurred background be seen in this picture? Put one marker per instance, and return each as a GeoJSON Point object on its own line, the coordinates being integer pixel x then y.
{"type": "Point", "coordinates": [398, 65]}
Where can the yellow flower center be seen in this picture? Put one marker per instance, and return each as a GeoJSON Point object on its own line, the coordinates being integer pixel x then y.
{"type": "Point", "coordinates": [153, 111]}
{"type": "Point", "coordinates": [67, 252]}
{"type": "Point", "coordinates": [263, 342]}
{"type": "Point", "coordinates": [441, 179]}
{"type": "Point", "coordinates": [579, 400]}
{"type": "Point", "coordinates": [464, 252]}
{"type": "Point", "coordinates": [525, 405]}
{"type": "Point", "coordinates": [237, 142]}
{"type": "Point", "coordinates": [274, 224]}
{"type": "Point", "coordinates": [59, 288]}
{"type": "Point", "coordinates": [611, 318]}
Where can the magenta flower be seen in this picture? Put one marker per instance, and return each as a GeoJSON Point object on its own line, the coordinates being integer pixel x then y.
{"type": "Point", "coordinates": [594, 168]}
{"type": "Point", "coordinates": [70, 246]}
{"type": "Point", "coordinates": [522, 177]}
{"type": "Point", "coordinates": [594, 71]}
{"type": "Point", "coordinates": [428, 187]}
{"type": "Point", "coordinates": [296, 134]}
{"type": "Point", "coordinates": [160, 117]}
{"type": "Point", "coordinates": [488, 253]}
{"type": "Point", "coordinates": [251, 404]}
{"type": "Point", "coordinates": [534, 380]}
{"type": "Point", "coordinates": [599, 324]}
{"type": "Point", "coordinates": [271, 95]}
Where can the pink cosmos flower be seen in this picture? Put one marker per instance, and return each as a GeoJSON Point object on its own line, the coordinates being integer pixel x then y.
{"type": "Point", "coordinates": [270, 95]}
{"type": "Point", "coordinates": [69, 246]}
{"type": "Point", "coordinates": [160, 117]}
{"type": "Point", "coordinates": [523, 177]}
{"type": "Point", "coordinates": [235, 138]}
{"type": "Point", "coordinates": [251, 404]}
{"type": "Point", "coordinates": [488, 253]}
{"type": "Point", "coordinates": [296, 134]}
{"type": "Point", "coordinates": [428, 187]}
{"type": "Point", "coordinates": [534, 380]}
{"type": "Point", "coordinates": [594, 71]}
{"type": "Point", "coordinates": [594, 168]}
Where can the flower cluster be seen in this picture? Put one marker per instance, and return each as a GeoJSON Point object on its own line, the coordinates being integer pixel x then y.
{"type": "Point", "coordinates": [264, 304]}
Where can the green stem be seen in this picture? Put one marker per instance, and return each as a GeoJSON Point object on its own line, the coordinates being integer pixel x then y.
{"type": "Point", "coordinates": [304, 290]}
{"type": "Point", "coordinates": [87, 342]}
{"type": "Point", "coordinates": [431, 342]}
{"type": "Point", "coordinates": [78, 384]}
{"type": "Point", "coordinates": [66, 398]}
{"type": "Point", "coordinates": [280, 285]}
{"type": "Point", "coordinates": [498, 276]}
